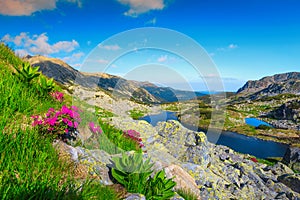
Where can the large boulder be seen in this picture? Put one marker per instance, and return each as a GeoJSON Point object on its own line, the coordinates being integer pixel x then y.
{"type": "Point", "coordinates": [291, 180]}
{"type": "Point", "coordinates": [292, 158]}
{"type": "Point", "coordinates": [182, 143]}
{"type": "Point", "coordinates": [183, 179]}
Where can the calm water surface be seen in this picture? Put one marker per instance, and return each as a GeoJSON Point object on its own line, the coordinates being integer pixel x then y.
{"type": "Point", "coordinates": [256, 122]}
{"type": "Point", "coordinates": [238, 142]}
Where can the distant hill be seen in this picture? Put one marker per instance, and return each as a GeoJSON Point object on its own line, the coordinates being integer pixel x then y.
{"type": "Point", "coordinates": [271, 86]}
{"type": "Point", "coordinates": [139, 91]}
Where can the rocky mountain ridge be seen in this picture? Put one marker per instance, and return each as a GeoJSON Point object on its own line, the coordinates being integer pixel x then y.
{"type": "Point", "coordinates": [271, 86]}
{"type": "Point", "coordinates": [139, 91]}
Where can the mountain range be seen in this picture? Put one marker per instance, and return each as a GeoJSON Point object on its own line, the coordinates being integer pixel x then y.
{"type": "Point", "coordinates": [139, 91]}
{"type": "Point", "coordinates": [271, 86]}
{"type": "Point", "coordinates": [147, 92]}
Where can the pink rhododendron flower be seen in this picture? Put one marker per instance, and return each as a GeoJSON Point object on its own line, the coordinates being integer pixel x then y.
{"type": "Point", "coordinates": [94, 129]}
{"type": "Point", "coordinates": [51, 110]}
{"type": "Point", "coordinates": [70, 123]}
{"type": "Point", "coordinates": [51, 121]}
{"type": "Point", "coordinates": [58, 96]}
{"type": "Point", "coordinates": [62, 123]}
{"type": "Point", "coordinates": [74, 108]}
{"type": "Point", "coordinates": [134, 135]}
{"type": "Point", "coordinates": [65, 120]}
{"type": "Point", "coordinates": [65, 109]}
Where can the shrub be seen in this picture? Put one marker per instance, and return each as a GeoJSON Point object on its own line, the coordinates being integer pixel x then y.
{"type": "Point", "coordinates": [45, 85]}
{"type": "Point", "coordinates": [120, 141]}
{"type": "Point", "coordinates": [135, 136]}
{"type": "Point", "coordinates": [58, 96]}
{"type": "Point", "coordinates": [136, 114]}
{"type": "Point", "coordinates": [61, 124]}
{"type": "Point", "coordinates": [95, 129]}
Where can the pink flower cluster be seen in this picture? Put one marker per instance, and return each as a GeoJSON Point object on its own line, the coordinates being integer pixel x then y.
{"type": "Point", "coordinates": [95, 129]}
{"type": "Point", "coordinates": [134, 135]}
{"type": "Point", "coordinates": [253, 159]}
{"type": "Point", "coordinates": [60, 122]}
{"type": "Point", "coordinates": [57, 96]}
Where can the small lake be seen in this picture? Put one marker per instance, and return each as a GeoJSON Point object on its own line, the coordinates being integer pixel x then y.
{"type": "Point", "coordinates": [160, 117]}
{"type": "Point", "coordinates": [256, 122]}
{"type": "Point", "coordinates": [238, 142]}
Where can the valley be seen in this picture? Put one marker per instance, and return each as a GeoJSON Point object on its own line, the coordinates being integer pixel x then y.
{"type": "Point", "coordinates": [229, 109]}
{"type": "Point", "coordinates": [207, 170]}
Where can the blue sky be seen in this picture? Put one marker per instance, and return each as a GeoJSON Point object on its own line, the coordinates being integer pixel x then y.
{"type": "Point", "coordinates": [246, 39]}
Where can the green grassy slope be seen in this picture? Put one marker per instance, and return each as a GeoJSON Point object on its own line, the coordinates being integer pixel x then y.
{"type": "Point", "coordinates": [30, 167]}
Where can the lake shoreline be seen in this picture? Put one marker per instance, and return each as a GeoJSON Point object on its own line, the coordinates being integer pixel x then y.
{"type": "Point", "coordinates": [243, 143]}
{"type": "Point", "coordinates": [284, 136]}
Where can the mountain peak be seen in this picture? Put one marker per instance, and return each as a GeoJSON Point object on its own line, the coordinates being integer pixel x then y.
{"type": "Point", "coordinates": [272, 85]}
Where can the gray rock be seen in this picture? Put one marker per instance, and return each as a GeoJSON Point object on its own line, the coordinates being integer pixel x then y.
{"type": "Point", "coordinates": [292, 158]}
{"type": "Point", "coordinates": [97, 162]}
{"type": "Point", "coordinates": [291, 180]}
{"type": "Point", "coordinates": [184, 144]}
{"type": "Point", "coordinates": [182, 178]}
{"type": "Point", "coordinates": [177, 197]}
{"type": "Point", "coordinates": [217, 171]}
{"type": "Point", "coordinates": [135, 197]}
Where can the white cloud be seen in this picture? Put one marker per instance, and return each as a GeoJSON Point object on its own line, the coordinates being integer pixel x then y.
{"type": "Point", "coordinates": [78, 2]}
{"type": "Point", "coordinates": [21, 52]}
{"type": "Point", "coordinates": [38, 44]}
{"type": "Point", "coordinates": [75, 57]}
{"type": "Point", "coordinates": [110, 47]}
{"type": "Point", "coordinates": [233, 46]}
{"type": "Point", "coordinates": [162, 58]}
{"type": "Point", "coordinates": [137, 7]}
{"type": "Point", "coordinates": [66, 46]}
{"type": "Point", "coordinates": [27, 7]}
{"type": "Point", "coordinates": [77, 65]}
{"type": "Point", "coordinates": [229, 47]}
{"type": "Point", "coordinates": [151, 22]}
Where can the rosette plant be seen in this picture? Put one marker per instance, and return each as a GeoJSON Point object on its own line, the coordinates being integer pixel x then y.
{"type": "Point", "coordinates": [27, 73]}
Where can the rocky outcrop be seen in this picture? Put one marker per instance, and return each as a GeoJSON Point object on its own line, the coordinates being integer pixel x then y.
{"type": "Point", "coordinates": [286, 116]}
{"type": "Point", "coordinates": [272, 85]}
{"type": "Point", "coordinates": [291, 180]}
{"type": "Point", "coordinates": [210, 171]}
{"type": "Point", "coordinates": [292, 158]}
{"type": "Point", "coordinates": [219, 172]}
{"type": "Point", "coordinates": [287, 111]}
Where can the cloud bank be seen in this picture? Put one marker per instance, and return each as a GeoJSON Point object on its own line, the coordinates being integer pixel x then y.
{"type": "Point", "coordinates": [137, 7]}
{"type": "Point", "coordinates": [38, 44]}
{"type": "Point", "coordinates": [27, 7]}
